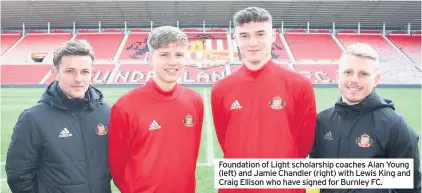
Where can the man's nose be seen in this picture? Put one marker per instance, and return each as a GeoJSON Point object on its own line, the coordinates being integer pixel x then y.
{"type": "Point", "coordinates": [253, 41]}
{"type": "Point", "coordinates": [355, 77]}
{"type": "Point", "coordinates": [78, 77]}
{"type": "Point", "coordinates": [173, 60]}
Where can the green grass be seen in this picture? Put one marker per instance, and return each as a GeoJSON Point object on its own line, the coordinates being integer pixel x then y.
{"type": "Point", "coordinates": [15, 100]}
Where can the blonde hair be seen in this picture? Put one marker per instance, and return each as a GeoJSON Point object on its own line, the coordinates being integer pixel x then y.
{"type": "Point", "coordinates": [361, 50]}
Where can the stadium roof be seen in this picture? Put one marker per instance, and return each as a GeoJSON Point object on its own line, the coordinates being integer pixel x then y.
{"type": "Point", "coordinates": [295, 14]}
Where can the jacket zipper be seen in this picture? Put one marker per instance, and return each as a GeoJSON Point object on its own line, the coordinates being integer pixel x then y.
{"type": "Point", "coordinates": [84, 146]}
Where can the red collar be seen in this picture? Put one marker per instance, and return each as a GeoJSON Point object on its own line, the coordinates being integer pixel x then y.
{"type": "Point", "coordinates": [159, 93]}
{"type": "Point", "coordinates": [260, 73]}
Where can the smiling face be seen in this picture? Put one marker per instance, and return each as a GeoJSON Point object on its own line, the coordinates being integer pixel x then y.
{"type": "Point", "coordinates": [74, 75]}
{"type": "Point", "coordinates": [254, 36]}
{"type": "Point", "coordinates": [73, 64]}
{"type": "Point", "coordinates": [168, 46]}
{"type": "Point", "coordinates": [255, 40]}
{"type": "Point", "coordinates": [358, 74]}
{"type": "Point", "coordinates": [169, 63]}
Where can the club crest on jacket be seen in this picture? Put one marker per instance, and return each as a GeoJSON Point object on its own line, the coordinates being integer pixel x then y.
{"type": "Point", "coordinates": [188, 121]}
{"type": "Point", "coordinates": [101, 129]}
{"type": "Point", "coordinates": [364, 141]}
{"type": "Point", "coordinates": [277, 103]}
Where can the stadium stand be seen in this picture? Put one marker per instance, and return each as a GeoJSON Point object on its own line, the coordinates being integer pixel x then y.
{"type": "Point", "coordinates": [315, 46]}
{"type": "Point", "coordinates": [376, 40]}
{"type": "Point", "coordinates": [104, 44]}
{"type": "Point", "coordinates": [408, 44]}
{"type": "Point", "coordinates": [279, 50]}
{"type": "Point", "coordinates": [395, 67]}
{"type": "Point", "coordinates": [135, 47]}
{"type": "Point", "coordinates": [8, 39]}
{"type": "Point", "coordinates": [212, 55]}
{"type": "Point", "coordinates": [318, 73]}
{"type": "Point", "coordinates": [36, 42]}
{"type": "Point", "coordinates": [208, 48]}
{"type": "Point", "coordinates": [17, 73]}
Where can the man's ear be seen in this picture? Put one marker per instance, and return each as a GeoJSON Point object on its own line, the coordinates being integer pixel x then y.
{"type": "Point", "coordinates": [377, 79]}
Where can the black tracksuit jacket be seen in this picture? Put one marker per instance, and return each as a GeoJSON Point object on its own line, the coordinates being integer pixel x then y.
{"type": "Point", "coordinates": [371, 129]}
{"type": "Point", "coordinates": [60, 145]}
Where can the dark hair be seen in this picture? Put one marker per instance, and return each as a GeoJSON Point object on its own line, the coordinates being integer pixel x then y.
{"type": "Point", "coordinates": [251, 14]}
{"type": "Point", "coordinates": [72, 48]}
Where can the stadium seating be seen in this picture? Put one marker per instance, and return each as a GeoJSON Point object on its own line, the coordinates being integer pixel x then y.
{"type": "Point", "coordinates": [132, 73]}
{"type": "Point", "coordinates": [316, 55]}
{"type": "Point", "coordinates": [8, 39]}
{"type": "Point", "coordinates": [35, 42]}
{"type": "Point", "coordinates": [17, 73]}
{"type": "Point", "coordinates": [318, 73]}
{"type": "Point", "coordinates": [104, 44]}
{"type": "Point", "coordinates": [209, 46]}
{"type": "Point", "coordinates": [319, 47]}
{"type": "Point", "coordinates": [279, 50]}
{"type": "Point", "coordinates": [135, 47]}
{"type": "Point", "coordinates": [388, 54]}
{"type": "Point", "coordinates": [410, 45]}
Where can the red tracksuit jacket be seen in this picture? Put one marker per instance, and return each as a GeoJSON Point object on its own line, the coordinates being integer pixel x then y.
{"type": "Point", "coordinates": [269, 113]}
{"type": "Point", "coordinates": [154, 139]}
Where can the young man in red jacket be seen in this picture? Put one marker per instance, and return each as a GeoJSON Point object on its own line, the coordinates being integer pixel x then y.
{"type": "Point", "coordinates": [262, 110]}
{"type": "Point", "coordinates": [155, 130]}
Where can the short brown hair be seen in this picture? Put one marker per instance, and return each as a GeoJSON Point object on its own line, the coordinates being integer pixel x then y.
{"type": "Point", "coordinates": [72, 48]}
{"type": "Point", "coordinates": [251, 14]}
{"type": "Point", "coordinates": [165, 35]}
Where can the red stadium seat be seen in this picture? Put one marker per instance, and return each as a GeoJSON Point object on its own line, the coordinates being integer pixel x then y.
{"type": "Point", "coordinates": [410, 45]}
{"type": "Point", "coordinates": [105, 45]}
{"type": "Point", "coordinates": [7, 41]}
{"type": "Point", "coordinates": [308, 47]}
{"type": "Point", "coordinates": [15, 73]}
{"type": "Point", "coordinates": [35, 43]}
{"type": "Point", "coordinates": [318, 73]}
{"type": "Point", "coordinates": [387, 53]}
{"type": "Point", "coordinates": [135, 47]}
{"type": "Point", "coordinates": [210, 55]}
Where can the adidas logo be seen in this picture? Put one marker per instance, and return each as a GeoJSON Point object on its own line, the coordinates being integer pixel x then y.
{"type": "Point", "coordinates": [328, 136]}
{"type": "Point", "coordinates": [154, 126]}
{"type": "Point", "coordinates": [65, 133]}
{"type": "Point", "coordinates": [235, 105]}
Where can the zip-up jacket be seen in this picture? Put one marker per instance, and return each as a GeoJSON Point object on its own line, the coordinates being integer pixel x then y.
{"type": "Point", "coordinates": [59, 145]}
{"type": "Point", "coordinates": [370, 129]}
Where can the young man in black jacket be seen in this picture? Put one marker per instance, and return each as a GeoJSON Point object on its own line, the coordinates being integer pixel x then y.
{"type": "Point", "coordinates": [363, 124]}
{"type": "Point", "coordinates": [60, 144]}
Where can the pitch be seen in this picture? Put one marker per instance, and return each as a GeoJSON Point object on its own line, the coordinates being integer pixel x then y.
{"type": "Point", "coordinates": [15, 100]}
